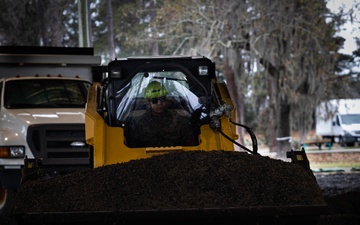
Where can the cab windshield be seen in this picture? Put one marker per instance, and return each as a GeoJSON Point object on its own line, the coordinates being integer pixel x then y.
{"type": "Point", "coordinates": [350, 119]}
{"type": "Point", "coordinates": [181, 93]}
{"type": "Point", "coordinates": [45, 93]}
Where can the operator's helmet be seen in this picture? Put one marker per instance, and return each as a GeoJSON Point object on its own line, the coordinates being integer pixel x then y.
{"type": "Point", "coordinates": [155, 90]}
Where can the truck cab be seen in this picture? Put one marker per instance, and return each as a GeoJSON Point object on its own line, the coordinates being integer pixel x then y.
{"type": "Point", "coordinates": [339, 120]}
{"type": "Point", "coordinates": [347, 129]}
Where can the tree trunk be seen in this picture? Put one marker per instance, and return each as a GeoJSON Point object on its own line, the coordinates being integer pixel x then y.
{"type": "Point", "coordinates": [236, 96]}
{"type": "Point", "coordinates": [84, 36]}
{"type": "Point", "coordinates": [271, 126]}
{"type": "Point", "coordinates": [44, 39]}
{"type": "Point", "coordinates": [279, 122]}
{"type": "Point", "coordinates": [110, 30]}
{"type": "Point", "coordinates": [154, 32]}
{"type": "Point", "coordinates": [283, 134]}
{"type": "Point", "coordinates": [89, 24]}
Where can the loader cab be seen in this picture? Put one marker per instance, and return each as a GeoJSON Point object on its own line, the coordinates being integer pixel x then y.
{"type": "Point", "coordinates": [187, 80]}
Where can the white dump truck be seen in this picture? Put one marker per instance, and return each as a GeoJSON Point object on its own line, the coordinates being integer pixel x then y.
{"type": "Point", "coordinates": [43, 96]}
{"type": "Point", "coordinates": [339, 120]}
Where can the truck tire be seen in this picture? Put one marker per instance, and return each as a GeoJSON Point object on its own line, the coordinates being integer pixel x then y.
{"type": "Point", "coordinates": [346, 144]}
{"type": "Point", "coordinates": [342, 142]}
{"type": "Point", "coordinates": [6, 197]}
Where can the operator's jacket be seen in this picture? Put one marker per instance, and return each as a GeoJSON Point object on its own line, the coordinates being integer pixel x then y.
{"type": "Point", "coordinates": [170, 129]}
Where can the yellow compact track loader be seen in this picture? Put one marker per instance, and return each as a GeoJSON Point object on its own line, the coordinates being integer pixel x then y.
{"type": "Point", "coordinates": [204, 181]}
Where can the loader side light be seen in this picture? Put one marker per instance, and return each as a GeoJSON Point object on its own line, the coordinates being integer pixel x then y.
{"type": "Point", "coordinates": [299, 158]}
{"type": "Point", "coordinates": [203, 70]}
{"type": "Point", "coordinates": [30, 165]}
{"type": "Point", "coordinates": [12, 151]}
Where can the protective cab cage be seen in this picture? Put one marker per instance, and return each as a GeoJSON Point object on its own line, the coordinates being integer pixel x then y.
{"type": "Point", "coordinates": [188, 81]}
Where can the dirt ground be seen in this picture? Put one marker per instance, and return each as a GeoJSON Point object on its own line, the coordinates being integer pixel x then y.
{"type": "Point", "coordinates": [342, 195]}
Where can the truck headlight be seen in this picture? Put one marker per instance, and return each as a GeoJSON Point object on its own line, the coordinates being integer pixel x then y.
{"type": "Point", "coordinates": [17, 152]}
{"type": "Point", "coordinates": [12, 152]}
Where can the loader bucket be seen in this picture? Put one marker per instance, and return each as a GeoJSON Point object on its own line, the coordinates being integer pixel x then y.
{"type": "Point", "coordinates": [215, 187]}
{"type": "Point", "coordinates": [248, 215]}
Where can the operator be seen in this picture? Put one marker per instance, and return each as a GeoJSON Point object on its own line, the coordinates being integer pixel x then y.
{"type": "Point", "coordinates": [159, 126]}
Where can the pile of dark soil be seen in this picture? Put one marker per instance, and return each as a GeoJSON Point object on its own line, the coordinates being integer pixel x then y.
{"type": "Point", "coordinates": [177, 180]}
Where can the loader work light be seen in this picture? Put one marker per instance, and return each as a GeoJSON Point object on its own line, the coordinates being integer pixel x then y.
{"type": "Point", "coordinates": [203, 70]}
{"type": "Point", "coordinates": [115, 72]}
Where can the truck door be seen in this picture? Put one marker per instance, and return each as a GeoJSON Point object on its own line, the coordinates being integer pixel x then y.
{"type": "Point", "coordinates": [336, 126]}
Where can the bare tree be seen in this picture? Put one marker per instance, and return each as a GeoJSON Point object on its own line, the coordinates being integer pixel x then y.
{"type": "Point", "coordinates": [289, 40]}
{"type": "Point", "coordinates": [286, 43]}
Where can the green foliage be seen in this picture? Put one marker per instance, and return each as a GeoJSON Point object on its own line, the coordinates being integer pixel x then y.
{"type": "Point", "coordinates": [35, 23]}
{"type": "Point", "coordinates": [19, 23]}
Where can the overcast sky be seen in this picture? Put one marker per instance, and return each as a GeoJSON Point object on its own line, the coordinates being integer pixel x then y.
{"type": "Point", "coordinates": [349, 31]}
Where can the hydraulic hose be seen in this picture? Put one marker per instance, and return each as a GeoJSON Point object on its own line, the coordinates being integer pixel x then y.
{"type": "Point", "coordinates": [252, 136]}
{"type": "Point", "coordinates": [254, 151]}
{"type": "Point", "coordinates": [215, 125]}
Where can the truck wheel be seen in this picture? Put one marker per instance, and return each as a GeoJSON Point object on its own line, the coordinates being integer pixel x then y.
{"type": "Point", "coordinates": [6, 196]}
{"type": "Point", "coordinates": [342, 142]}
{"type": "Point", "coordinates": [346, 144]}
{"type": "Point", "coordinates": [350, 144]}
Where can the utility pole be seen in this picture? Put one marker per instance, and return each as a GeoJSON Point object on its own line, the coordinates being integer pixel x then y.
{"type": "Point", "coordinates": [84, 25]}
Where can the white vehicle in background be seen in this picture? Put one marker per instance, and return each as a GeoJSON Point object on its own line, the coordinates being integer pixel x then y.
{"type": "Point", "coordinates": [339, 120]}
{"type": "Point", "coordinates": [43, 92]}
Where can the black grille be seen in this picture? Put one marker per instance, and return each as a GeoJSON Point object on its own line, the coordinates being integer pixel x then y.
{"type": "Point", "coordinates": [60, 147]}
